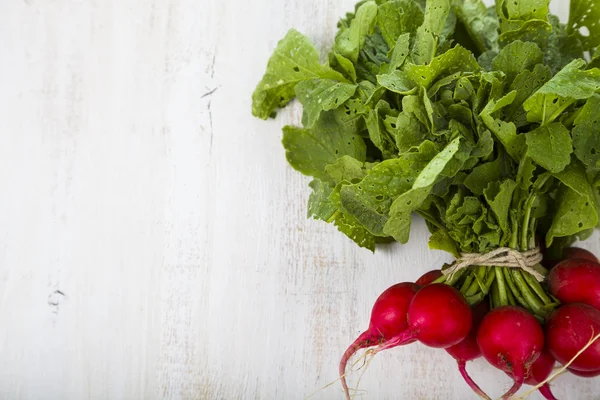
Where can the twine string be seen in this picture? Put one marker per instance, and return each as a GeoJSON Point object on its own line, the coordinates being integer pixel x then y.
{"type": "Point", "coordinates": [500, 257]}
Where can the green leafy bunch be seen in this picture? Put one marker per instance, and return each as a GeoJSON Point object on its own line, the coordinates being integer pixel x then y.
{"type": "Point", "coordinates": [483, 121]}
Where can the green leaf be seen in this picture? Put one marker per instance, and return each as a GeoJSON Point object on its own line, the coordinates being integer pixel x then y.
{"type": "Point", "coordinates": [398, 225]}
{"type": "Point", "coordinates": [398, 54]}
{"type": "Point", "coordinates": [324, 201]}
{"type": "Point", "coordinates": [550, 146]}
{"type": "Point", "coordinates": [481, 27]}
{"type": "Point", "coordinates": [535, 31]}
{"type": "Point", "coordinates": [525, 173]}
{"type": "Point", "coordinates": [351, 228]}
{"type": "Point", "coordinates": [347, 169]}
{"type": "Point", "coordinates": [409, 131]}
{"type": "Point", "coordinates": [397, 82]}
{"type": "Point", "coordinates": [574, 176]}
{"type": "Point", "coordinates": [377, 130]}
{"type": "Point", "coordinates": [525, 83]}
{"type": "Point", "coordinates": [499, 197]}
{"type": "Point", "coordinates": [295, 59]}
{"type": "Point", "coordinates": [595, 62]}
{"type": "Point", "coordinates": [517, 57]}
{"type": "Point", "coordinates": [576, 206]}
{"type": "Point", "coordinates": [585, 14]}
{"type": "Point", "coordinates": [319, 204]}
{"type": "Point", "coordinates": [311, 150]}
{"type": "Point", "coordinates": [347, 224]}
{"type": "Point", "coordinates": [351, 40]}
{"type": "Point", "coordinates": [505, 132]}
{"type": "Point", "coordinates": [318, 95]}
{"type": "Point", "coordinates": [429, 33]}
{"type": "Point", "coordinates": [496, 105]}
{"type": "Point", "coordinates": [469, 224]}
{"type": "Point", "coordinates": [481, 176]}
{"type": "Point", "coordinates": [441, 240]}
{"type": "Point", "coordinates": [369, 200]}
{"type": "Point", "coordinates": [568, 85]}
{"type": "Point", "coordinates": [398, 17]}
{"type": "Point", "coordinates": [343, 65]}
{"type": "Point", "coordinates": [522, 9]}
{"type": "Point", "coordinates": [371, 58]}
{"type": "Point", "coordinates": [457, 59]}
{"type": "Point", "coordinates": [586, 140]}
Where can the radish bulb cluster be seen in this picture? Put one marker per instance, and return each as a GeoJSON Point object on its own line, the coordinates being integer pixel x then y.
{"type": "Point", "coordinates": [510, 338]}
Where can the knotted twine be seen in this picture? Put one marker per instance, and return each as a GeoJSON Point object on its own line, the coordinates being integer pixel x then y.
{"type": "Point", "coordinates": [500, 257]}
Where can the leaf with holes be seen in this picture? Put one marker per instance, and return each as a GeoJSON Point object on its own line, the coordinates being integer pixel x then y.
{"type": "Point", "coordinates": [319, 204]}
{"type": "Point", "coordinates": [525, 84]}
{"type": "Point", "coordinates": [397, 82]}
{"type": "Point", "coordinates": [517, 57]}
{"type": "Point", "coordinates": [584, 22]}
{"type": "Point", "coordinates": [567, 86]}
{"type": "Point", "coordinates": [347, 224]}
{"type": "Point", "coordinates": [378, 132]}
{"type": "Point", "coordinates": [348, 169]}
{"type": "Point", "coordinates": [318, 95]}
{"type": "Point", "coordinates": [481, 27]}
{"type": "Point", "coordinates": [398, 225]}
{"type": "Point", "coordinates": [511, 11]}
{"type": "Point", "coordinates": [350, 40]}
{"type": "Point", "coordinates": [550, 146]}
{"type": "Point", "coordinates": [369, 201]}
{"type": "Point", "coordinates": [398, 54]}
{"type": "Point", "coordinates": [398, 17]}
{"type": "Point", "coordinates": [294, 60]}
{"type": "Point", "coordinates": [457, 59]}
{"type": "Point", "coordinates": [429, 33]}
{"type": "Point", "coordinates": [311, 150]}
{"type": "Point", "coordinates": [576, 205]}
{"type": "Point", "coordinates": [586, 140]}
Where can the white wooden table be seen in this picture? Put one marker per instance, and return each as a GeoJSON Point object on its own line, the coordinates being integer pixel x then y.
{"type": "Point", "coordinates": [154, 243]}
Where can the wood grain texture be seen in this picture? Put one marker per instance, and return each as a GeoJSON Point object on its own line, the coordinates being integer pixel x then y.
{"type": "Point", "coordinates": [154, 241]}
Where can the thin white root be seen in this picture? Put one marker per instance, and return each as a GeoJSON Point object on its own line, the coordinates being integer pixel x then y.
{"type": "Point", "coordinates": [361, 358]}
{"type": "Point", "coordinates": [371, 353]}
{"type": "Point", "coordinates": [560, 371]}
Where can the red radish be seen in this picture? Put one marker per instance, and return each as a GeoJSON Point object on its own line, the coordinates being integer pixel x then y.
{"type": "Point", "coordinates": [577, 252]}
{"type": "Point", "coordinates": [568, 330]}
{"type": "Point", "coordinates": [511, 339]}
{"type": "Point", "coordinates": [429, 277]}
{"type": "Point", "coordinates": [576, 281]}
{"type": "Point", "coordinates": [586, 374]}
{"type": "Point", "coordinates": [438, 316]}
{"type": "Point", "coordinates": [388, 319]}
{"type": "Point", "coordinates": [468, 349]}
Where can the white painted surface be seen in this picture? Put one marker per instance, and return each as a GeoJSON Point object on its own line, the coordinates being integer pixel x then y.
{"type": "Point", "coordinates": [154, 242]}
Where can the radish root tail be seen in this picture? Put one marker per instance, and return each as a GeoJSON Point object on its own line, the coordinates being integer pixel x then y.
{"type": "Point", "coordinates": [546, 392]}
{"type": "Point", "coordinates": [462, 368]}
{"type": "Point", "coordinates": [365, 339]}
{"type": "Point", "coordinates": [518, 377]}
{"type": "Point", "coordinates": [371, 353]}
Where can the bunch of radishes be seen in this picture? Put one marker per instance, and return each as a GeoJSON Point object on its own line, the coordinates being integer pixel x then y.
{"type": "Point", "coordinates": [508, 337]}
